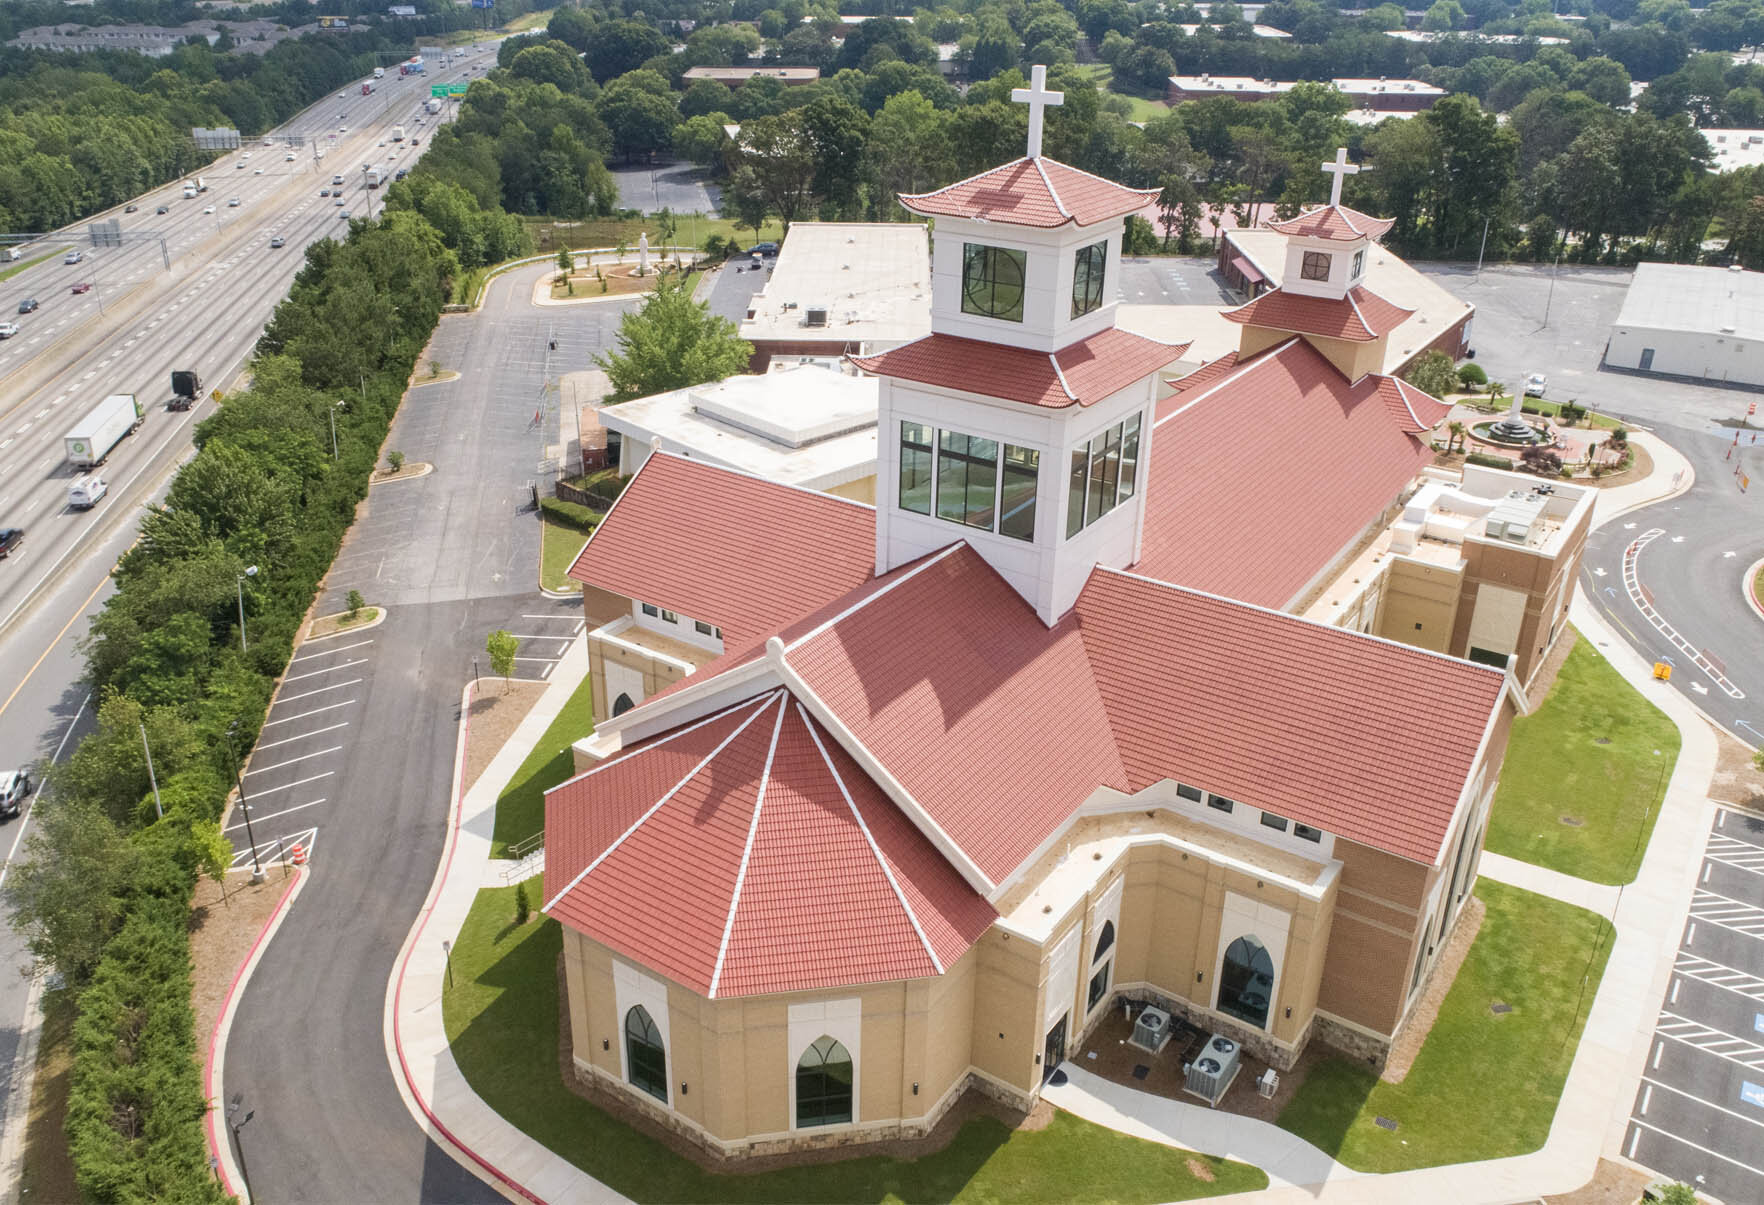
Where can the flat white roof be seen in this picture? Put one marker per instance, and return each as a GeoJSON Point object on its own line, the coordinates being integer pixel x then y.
{"type": "Point", "coordinates": [1435, 310]}
{"type": "Point", "coordinates": [1680, 297]}
{"type": "Point", "coordinates": [1266, 87]}
{"type": "Point", "coordinates": [1261, 31]}
{"type": "Point", "coordinates": [807, 426]}
{"type": "Point", "coordinates": [1503, 39]}
{"type": "Point", "coordinates": [1734, 149]}
{"type": "Point", "coordinates": [873, 279]}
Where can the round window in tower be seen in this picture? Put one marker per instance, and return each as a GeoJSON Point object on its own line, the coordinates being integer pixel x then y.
{"type": "Point", "coordinates": [992, 282]}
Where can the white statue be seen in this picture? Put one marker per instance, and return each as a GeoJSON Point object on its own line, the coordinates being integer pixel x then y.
{"type": "Point", "coordinates": [643, 254]}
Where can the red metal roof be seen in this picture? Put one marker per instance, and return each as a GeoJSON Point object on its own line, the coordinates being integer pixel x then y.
{"type": "Point", "coordinates": [1413, 410]}
{"type": "Point", "coordinates": [986, 717]}
{"type": "Point", "coordinates": [1201, 377]}
{"type": "Point", "coordinates": [747, 854]}
{"type": "Point", "coordinates": [1032, 192]}
{"type": "Point", "coordinates": [1080, 373]}
{"type": "Point", "coordinates": [1226, 513]}
{"type": "Point", "coordinates": [1365, 738]}
{"type": "Point", "coordinates": [727, 548]}
{"type": "Point", "coordinates": [1360, 317]}
{"type": "Point", "coordinates": [1335, 222]}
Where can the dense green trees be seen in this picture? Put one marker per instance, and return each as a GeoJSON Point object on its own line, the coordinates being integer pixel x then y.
{"type": "Point", "coordinates": [671, 342]}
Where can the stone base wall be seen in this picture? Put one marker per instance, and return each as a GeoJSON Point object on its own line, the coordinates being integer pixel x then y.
{"type": "Point", "coordinates": [1368, 1048]}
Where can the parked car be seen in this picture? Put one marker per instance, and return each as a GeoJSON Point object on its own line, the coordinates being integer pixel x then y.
{"type": "Point", "coordinates": [84, 286]}
{"type": "Point", "coordinates": [1536, 384]}
{"type": "Point", "coordinates": [28, 305]}
{"type": "Point", "coordinates": [764, 250]}
{"type": "Point", "coordinates": [10, 539]}
{"type": "Point", "coordinates": [278, 241]}
{"type": "Point", "coordinates": [8, 329]}
{"type": "Point", "coordinates": [15, 787]}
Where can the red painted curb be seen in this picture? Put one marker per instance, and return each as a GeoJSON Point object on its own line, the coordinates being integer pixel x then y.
{"type": "Point", "coordinates": [1753, 587]}
{"type": "Point", "coordinates": [404, 962]}
{"type": "Point", "coordinates": [209, 1088]}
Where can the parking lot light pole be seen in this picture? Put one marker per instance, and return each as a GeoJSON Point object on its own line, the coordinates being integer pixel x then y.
{"type": "Point", "coordinates": [238, 1146]}
{"type": "Point", "coordinates": [250, 571]}
{"type": "Point", "coordinates": [334, 406]}
{"type": "Point", "coordinates": [257, 875]}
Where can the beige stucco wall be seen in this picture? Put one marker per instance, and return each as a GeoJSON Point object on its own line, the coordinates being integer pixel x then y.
{"type": "Point", "coordinates": [1420, 604]}
{"type": "Point", "coordinates": [656, 673]}
{"type": "Point", "coordinates": [861, 490]}
{"type": "Point", "coordinates": [1354, 360]}
{"type": "Point", "coordinates": [1548, 583]}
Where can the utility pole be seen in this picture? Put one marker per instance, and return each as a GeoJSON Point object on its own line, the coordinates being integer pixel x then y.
{"type": "Point", "coordinates": [1481, 249]}
{"type": "Point", "coordinates": [333, 413]}
{"type": "Point", "coordinates": [151, 777]}
{"type": "Point", "coordinates": [1550, 300]}
{"type": "Point", "coordinates": [239, 780]}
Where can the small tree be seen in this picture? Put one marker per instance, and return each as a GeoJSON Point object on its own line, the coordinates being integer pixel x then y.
{"type": "Point", "coordinates": [434, 368]}
{"type": "Point", "coordinates": [396, 460]}
{"type": "Point", "coordinates": [356, 603]}
{"type": "Point", "coordinates": [1433, 373]}
{"type": "Point", "coordinates": [672, 342]}
{"type": "Point", "coordinates": [1471, 376]}
{"type": "Point", "coordinates": [1678, 1194]}
{"type": "Point", "coordinates": [564, 263]}
{"type": "Point", "coordinates": [523, 906]}
{"type": "Point", "coordinates": [214, 853]}
{"type": "Point", "coordinates": [502, 647]}
{"type": "Point", "coordinates": [1455, 433]}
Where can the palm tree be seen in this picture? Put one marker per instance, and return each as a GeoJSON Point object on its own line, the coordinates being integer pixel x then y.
{"type": "Point", "coordinates": [1455, 432]}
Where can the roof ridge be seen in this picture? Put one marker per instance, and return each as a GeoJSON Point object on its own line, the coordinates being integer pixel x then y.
{"type": "Point", "coordinates": [861, 603]}
{"type": "Point", "coordinates": [869, 838]}
{"type": "Point", "coordinates": [936, 192]}
{"type": "Point", "coordinates": [657, 806]}
{"type": "Point", "coordinates": [1266, 356]}
{"type": "Point", "coordinates": [1053, 358]}
{"type": "Point", "coordinates": [1100, 179]}
{"type": "Point", "coordinates": [1402, 388]}
{"type": "Point", "coordinates": [759, 802]}
{"type": "Point", "coordinates": [1051, 190]}
{"type": "Point", "coordinates": [660, 740]}
{"type": "Point", "coordinates": [1355, 303]}
{"type": "Point", "coordinates": [1344, 211]}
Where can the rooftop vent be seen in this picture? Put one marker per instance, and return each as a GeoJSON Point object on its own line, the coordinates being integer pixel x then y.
{"type": "Point", "coordinates": [815, 315]}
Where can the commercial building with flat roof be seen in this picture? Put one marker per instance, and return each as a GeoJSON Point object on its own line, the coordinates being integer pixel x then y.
{"type": "Point", "coordinates": [736, 76]}
{"type": "Point", "coordinates": [1703, 324]}
{"type": "Point", "coordinates": [1379, 95]}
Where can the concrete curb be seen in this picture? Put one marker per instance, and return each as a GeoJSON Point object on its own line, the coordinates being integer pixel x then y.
{"type": "Point", "coordinates": [370, 625]}
{"type": "Point", "coordinates": [443, 379]}
{"type": "Point", "coordinates": [1749, 588]}
{"type": "Point", "coordinates": [18, 1100]}
{"type": "Point", "coordinates": [418, 470]}
{"type": "Point", "coordinates": [214, 1067]}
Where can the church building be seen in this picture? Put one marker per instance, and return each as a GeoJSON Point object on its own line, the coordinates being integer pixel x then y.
{"type": "Point", "coordinates": [886, 803]}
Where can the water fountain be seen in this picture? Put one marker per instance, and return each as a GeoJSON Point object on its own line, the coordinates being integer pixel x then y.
{"type": "Point", "coordinates": [1513, 430]}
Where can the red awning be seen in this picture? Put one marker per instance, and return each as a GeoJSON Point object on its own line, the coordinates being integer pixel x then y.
{"type": "Point", "coordinates": [1245, 269]}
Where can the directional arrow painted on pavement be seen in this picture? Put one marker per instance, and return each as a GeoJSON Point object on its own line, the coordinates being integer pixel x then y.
{"type": "Point", "coordinates": [1600, 572]}
{"type": "Point", "coordinates": [1699, 688]}
{"type": "Point", "coordinates": [1748, 728]}
{"type": "Point", "coordinates": [1628, 527]}
{"type": "Point", "coordinates": [1678, 539]}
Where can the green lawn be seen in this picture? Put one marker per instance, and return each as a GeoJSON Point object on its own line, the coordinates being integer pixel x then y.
{"type": "Point", "coordinates": [558, 547]}
{"type": "Point", "coordinates": [1484, 1085]}
{"type": "Point", "coordinates": [9, 273]}
{"type": "Point", "coordinates": [1556, 767]}
{"type": "Point", "coordinates": [502, 1017]}
{"type": "Point", "coordinates": [1144, 107]}
{"type": "Point", "coordinates": [550, 235]}
{"type": "Point", "coordinates": [1758, 584]}
{"type": "Point", "coordinates": [520, 809]}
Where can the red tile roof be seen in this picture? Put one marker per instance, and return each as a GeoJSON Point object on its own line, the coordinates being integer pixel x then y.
{"type": "Point", "coordinates": [1201, 377]}
{"type": "Point", "coordinates": [1360, 317]}
{"type": "Point", "coordinates": [1032, 192]}
{"type": "Point", "coordinates": [985, 716]}
{"type": "Point", "coordinates": [728, 548]}
{"type": "Point", "coordinates": [1335, 222]}
{"type": "Point", "coordinates": [1081, 373]}
{"type": "Point", "coordinates": [1226, 513]}
{"type": "Point", "coordinates": [748, 854]}
{"type": "Point", "coordinates": [1414, 410]}
{"type": "Point", "coordinates": [1365, 738]}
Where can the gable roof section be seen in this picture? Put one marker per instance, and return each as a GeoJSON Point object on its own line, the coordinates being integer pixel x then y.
{"type": "Point", "coordinates": [1413, 410]}
{"type": "Point", "coordinates": [1081, 373]}
{"type": "Point", "coordinates": [1183, 388]}
{"type": "Point", "coordinates": [1360, 317]}
{"type": "Point", "coordinates": [1224, 514]}
{"type": "Point", "coordinates": [1337, 223]}
{"type": "Point", "coordinates": [1357, 736]}
{"type": "Point", "coordinates": [987, 718]}
{"type": "Point", "coordinates": [746, 854]}
{"type": "Point", "coordinates": [728, 548]}
{"type": "Point", "coordinates": [1038, 192]}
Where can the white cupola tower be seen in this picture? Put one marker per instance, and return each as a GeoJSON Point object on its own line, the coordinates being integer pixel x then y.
{"type": "Point", "coordinates": [1022, 423]}
{"type": "Point", "coordinates": [1327, 247]}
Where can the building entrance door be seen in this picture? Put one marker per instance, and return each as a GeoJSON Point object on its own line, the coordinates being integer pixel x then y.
{"type": "Point", "coordinates": [1647, 359]}
{"type": "Point", "coordinates": [1055, 1052]}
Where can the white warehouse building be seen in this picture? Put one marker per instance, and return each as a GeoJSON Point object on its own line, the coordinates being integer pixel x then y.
{"type": "Point", "coordinates": [1704, 324]}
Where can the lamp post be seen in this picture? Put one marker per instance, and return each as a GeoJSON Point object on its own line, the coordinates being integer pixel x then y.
{"type": "Point", "coordinates": [238, 1146]}
{"type": "Point", "coordinates": [334, 406]}
{"type": "Point", "coordinates": [239, 780]}
{"type": "Point", "coordinates": [250, 571]}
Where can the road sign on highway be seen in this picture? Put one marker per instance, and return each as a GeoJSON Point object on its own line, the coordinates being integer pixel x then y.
{"type": "Point", "coordinates": [458, 89]}
{"type": "Point", "coordinates": [437, 90]}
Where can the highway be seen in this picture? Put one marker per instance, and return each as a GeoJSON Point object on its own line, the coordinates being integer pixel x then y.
{"type": "Point", "coordinates": [138, 323]}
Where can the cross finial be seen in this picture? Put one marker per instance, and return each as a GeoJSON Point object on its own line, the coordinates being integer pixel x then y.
{"type": "Point", "coordinates": [1037, 97]}
{"type": "Point", "coordinates": [1340, 169]}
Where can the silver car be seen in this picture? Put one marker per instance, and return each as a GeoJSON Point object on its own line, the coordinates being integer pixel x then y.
{"type": "Point", "coordinates": [15, 788]}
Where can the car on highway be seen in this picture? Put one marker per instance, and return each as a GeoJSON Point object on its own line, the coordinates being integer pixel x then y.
{"type": "Point", "coordinates": [257, 171]}
{"type": "Point", "coordinates": [28, 305]}
{"type": "Point", "coordinates": [278, 241]}
{"type": "Point", "coordinates": [240, 166]}
{"type": "Point", "coordinates": [233, 203]}
{"type": "Point", "coordinates": [208, 209]}
{"type": "Point", "coordinates": [339, 198]}
{"type": "Point", "coordinates": [289, 157]}
{"type": "Point", "coordinates": [382, 142]}
{"type": "Point", "coordinates": [8, 329]}
{"type": "Point", "coordinates": [15, 788]}
{"type": "Point", "coordinates": [342, 129]}
{"type": "Point", "coordinates": [324, 192]}
{"type": "Point", "coordinates": [162, 209]}
{"type": "Point", "coordinates": [1536, 384]}
{"type": "Point", "coordinates": [269, 142]}
{"type": "Point", "coordinates": [85, 286]}
{"type": "Point", "coordinates": [10, 539]}
{"type": "Point", "coordinates": [130, 208]}
{"type": "Point", "coordinates": [344, 215]}
{"type": "Point", "coordinates": [73, 257]}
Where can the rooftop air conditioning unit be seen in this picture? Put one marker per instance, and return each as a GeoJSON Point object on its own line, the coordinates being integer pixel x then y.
{"type": "Point", "coordinates": [815, 315]}
{"type": "Point", "coordinates": [1152, 1029]}
{"type": "Point", "coordinates": [1212, 1072]}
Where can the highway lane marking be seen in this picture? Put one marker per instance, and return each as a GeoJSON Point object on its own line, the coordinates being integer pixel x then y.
{"type": "Point", "coordinates": [1709, 1104]}
{"type": "Point", "coordinates": [304, 714]}
{"type": "Point", "coordinates": [1687, 1142]}
{"type": "Point", "coordinates": [292, 761]}
{"type": "Point", "coordinates": [319, 672]}
{"type": "Point", "coordinates": [289, 786]}
{"type": "Point", "coordinates": [327, 652]}
{"type": "Point", "coordinates": [25, 820]}
{"type": "Point", "coordinates": [273, 815]}
{"type": "Point", "coordinates": [289, 740]}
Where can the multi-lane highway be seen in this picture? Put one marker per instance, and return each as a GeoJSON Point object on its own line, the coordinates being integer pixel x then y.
{"type": "Point", "coordinates": [139, 321]}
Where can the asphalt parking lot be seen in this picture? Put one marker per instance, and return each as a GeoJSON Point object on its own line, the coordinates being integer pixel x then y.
{"type": "Point", "coordinates": [680, 187]}
{"type": "Point", "coordinates": [1699, 1115]}
{"type": "Point", "coordinates": [1188, 281]}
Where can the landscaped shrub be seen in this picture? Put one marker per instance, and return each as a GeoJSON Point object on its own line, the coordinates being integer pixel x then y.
{"type": "Point", "coordinates": [1471, 376]}
{"type": "Point", "coordinates": [582, 518]}
{"type": "Point", "coordinates": [1487, 461]}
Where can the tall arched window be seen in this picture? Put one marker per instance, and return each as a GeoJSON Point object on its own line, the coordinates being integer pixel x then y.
{"type": "Point", "coordinates": [622, 704]}
{"type": "Point", "coordinates": [823, 1084]}
{"type": "Point", "coordinates": [646, 1064]}
{"type": "Point", "coordinates": [1246, 982]}
{"type": "Point", "coordinates": [1100, 964]}
{"type": "Point", "coordinates": [1105, 941]}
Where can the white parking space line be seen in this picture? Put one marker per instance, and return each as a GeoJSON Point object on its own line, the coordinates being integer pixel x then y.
{"type": "Point", "coordinates": [292, 761]}
{"type": "Point", "coordinates": [318, 691]}
{"type": "Point", "coordinates": [532, 636]}
{"type": "Point", "coordinates": [289, 740]}
{"type": "Point", "coordinates": [1693, 1146]}
{"type": "Point", "coordinates": [289, 786]}
{"type": "Point", "coordinates": [256, 820]}
{"type": "Point", "coordinates": [304, 714]}
{"type": "Point", "coordinates": [1740, 983]}
{"type": "Point", "coordinates": [1653, 1083]}
{"type": "Point", "coordinates": [328, 652]}
{"type": "Point", "coordinates": [1711, 1041]}
{"type": "Point", "coordinates": [541, 660]}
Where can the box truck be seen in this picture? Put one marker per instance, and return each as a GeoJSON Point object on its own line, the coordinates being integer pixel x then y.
{"type": "Point", "coordinates": [397, 133]}
{"type": "Point", "coordinates": [367, 89]}
{"type": "Point", "coordinates": [432, 105]}
{"type": "Point", "coordinates": [94, 436]}
{"type": "Point", "coordinates": [373, 177]}
{"type": "Point", "coordinates": [379, 73]}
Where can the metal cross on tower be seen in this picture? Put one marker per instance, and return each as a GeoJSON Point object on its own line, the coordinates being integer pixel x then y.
{"type": "Point", "coordinates": [1038, 98]}
{"type": "Point", "coordinates": [1340, 170]}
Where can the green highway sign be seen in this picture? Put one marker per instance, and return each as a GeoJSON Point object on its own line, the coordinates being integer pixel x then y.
{"type": "Point", "coordinates": [438, 90]}
{"type": "Point", "coordinates": [458, 89]}
{"type": "Point", "coordinates": [441, 91]}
